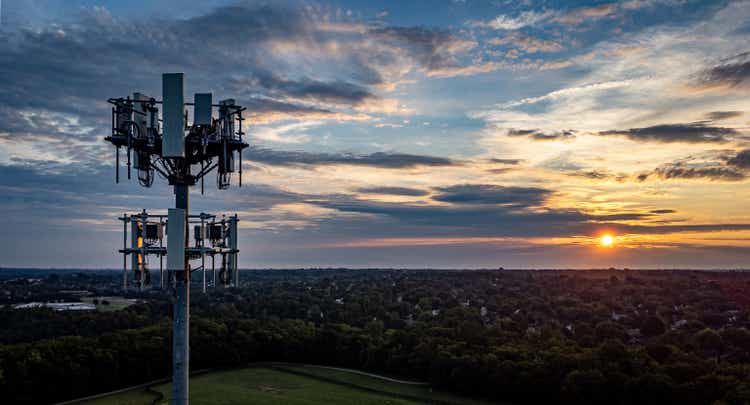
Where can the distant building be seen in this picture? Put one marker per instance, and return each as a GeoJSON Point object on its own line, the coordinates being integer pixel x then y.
{"type": "Point", "coordinates": [58, 306]}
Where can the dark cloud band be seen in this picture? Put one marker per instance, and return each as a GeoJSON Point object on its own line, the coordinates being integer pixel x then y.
{"type": "Point", "coordinates": [696, 132]}
{"type": "Point", "coordinates": [384, 160]}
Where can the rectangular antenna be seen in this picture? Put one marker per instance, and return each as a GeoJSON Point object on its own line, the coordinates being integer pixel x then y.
{"type": "Point", "coordinates": [176, 229]}
{"type": "Point", "coordinates": [134, 235]}
{"type": "Point", "coordinates": [233, 245]}
{"type": "Point", "coordinates": [173, 115]}
{"type": "Point", "coordinates": [141, 115]}
{"type": "Point", "coordinates": [202, 109]}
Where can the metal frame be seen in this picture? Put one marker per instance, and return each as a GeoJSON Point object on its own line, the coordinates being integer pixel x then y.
{"type": "Point", "coordinates": [225, 247]}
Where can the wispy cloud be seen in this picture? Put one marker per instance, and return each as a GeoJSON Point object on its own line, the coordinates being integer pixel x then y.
{"type": "Point", "coordinates": [579, 15]}
{"type": "Point", "coordinates": [526, 43]}
{"type": "Point", "coordinates": [289, 133]}
{"type": "Point", "coordinates": [569, 92]}
{"type": "Point", "coordinates": [523, 19]}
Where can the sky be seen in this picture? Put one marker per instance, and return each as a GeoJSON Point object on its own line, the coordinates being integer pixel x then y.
{"type": "Point", "coordinates": [441, 134]}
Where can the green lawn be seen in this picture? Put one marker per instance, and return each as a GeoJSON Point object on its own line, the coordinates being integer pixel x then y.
{"type": "Point", "coordinates": [290, 384]}
{"type": "Point", "coordinates": [261, 386]}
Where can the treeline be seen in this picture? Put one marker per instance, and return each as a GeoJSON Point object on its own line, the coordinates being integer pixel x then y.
{"type": "Point", "coordinates": [44, 323]}
{"type": "Point", "coordinates": [519, 337]}
{"type": "Point", "coordinates": [546, 370]}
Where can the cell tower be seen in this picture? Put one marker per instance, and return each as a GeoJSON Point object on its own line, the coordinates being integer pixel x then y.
{"type": "Point", "coordinates": [173, 149]}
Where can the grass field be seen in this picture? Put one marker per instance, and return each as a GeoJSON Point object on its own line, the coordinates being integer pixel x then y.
{"type": "Point", "coordinates": [289, 384]}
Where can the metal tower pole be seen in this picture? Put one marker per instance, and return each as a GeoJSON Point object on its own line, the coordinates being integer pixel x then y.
{"type": "Point", "coordinates": [233, 245]}
{"type": "Point", "coordinates": [181, 329]}
{"type": "Point", "coordinates": [203, 253]}
{"type": "Point", "coordinates": [124, 255]}
{"type": "Point", "coordinates": [161, 258]}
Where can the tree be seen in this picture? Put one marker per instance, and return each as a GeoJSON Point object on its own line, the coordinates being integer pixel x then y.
{"type": "Point", "coordinates": [609, 330]}
{"type": "Point", "coordinates": [709, 342]}
{"type": "Point", "coordinates": [652, 326]}
{"type": "Point", "coordinates": [738, 338]}
{"type": "Point", "coordinates": [585, 387]}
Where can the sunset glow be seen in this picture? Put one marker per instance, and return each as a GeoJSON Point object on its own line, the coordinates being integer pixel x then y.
{"type": "Point", "coordinates": [467, 134]}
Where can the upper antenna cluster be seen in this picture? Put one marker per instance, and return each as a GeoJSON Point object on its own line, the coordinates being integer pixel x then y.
{"type": "Point", "coordinates": [168, 145]}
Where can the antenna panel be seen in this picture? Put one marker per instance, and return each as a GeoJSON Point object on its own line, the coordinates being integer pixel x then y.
{"type": "Point", "coordinates": [136, 242]}
{"type": "Point", "coordinates": [176, 237]}
{"type": "Point", "coordinates": [202, 109]}
{"type": "Point", "coordinates": [173, 115]}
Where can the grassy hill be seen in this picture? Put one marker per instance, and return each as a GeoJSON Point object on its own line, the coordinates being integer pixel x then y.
{"type": "Point", "coordinates": [288, 384]}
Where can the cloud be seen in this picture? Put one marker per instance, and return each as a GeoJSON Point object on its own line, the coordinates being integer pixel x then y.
{"type": "Point", "coordinates": [723, 115]}
{"type": "Point", "coordinates": [531, 18]}
{"type": "Point", "coordinates": [265, 110]}
{"type": "Point", "coordinates": [506, 22]}
{"type": "Point", "coordinates": [492, 194]}
{"type": "Point", "coordinates": [403, 191]}
{"type": "Point", "coordinates": [500, 170]}
{"type": "Point", "coordinates": [479, 67]}
{"type": "Point", "coordinates": [434, 49]}
{"type": "Point", "coordinates": [567, 93]}
{"type": "Point", "coordinates": [608, 89]}
{"type": "Point", "coordinates": [291, 63]}
{"type": "Point", "coordinates": [526, 43]}
{"type": "Point", "coordinates": [539, 135]}
{"type": "Point", "coordinates": [597, 175]}
{"type": "Point", "coordinates": [494, 220]}
{"type": "Point", "coordinates": [579, 15]}
{"type": "Point", "coordinates": [663, 211]}
{"type": "Point", "coordinates": [696, 132]}
{"type": "Point", "coordinates": [288, 133]}
{"type": "Point", "coordinates": [386, 160]}
{"type": "Point", "coordinates": [712, 166]}
{"type": "Point", "coordinates": [734, 73]}
{"type": "Point", "coordinates": [691, 173]}
{"type": "Point", "coordinates": [305, 89]}
{"type": "Point", "coordinates": [506, 161]}
{"type": "Point", "coordinates": [741, 160]}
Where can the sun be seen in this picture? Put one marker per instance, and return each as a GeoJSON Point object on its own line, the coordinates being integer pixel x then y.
{"type": "Point", "coordinates": [607, 240]}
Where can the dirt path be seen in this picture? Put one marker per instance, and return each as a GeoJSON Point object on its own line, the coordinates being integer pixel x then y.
{"type": "Point", "coordinates": [349, 370]}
